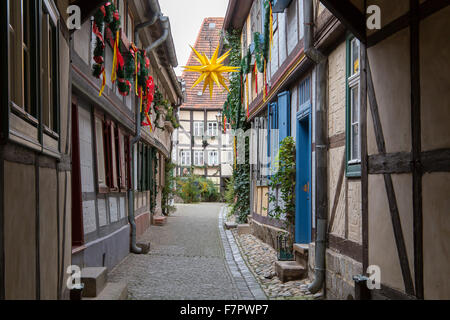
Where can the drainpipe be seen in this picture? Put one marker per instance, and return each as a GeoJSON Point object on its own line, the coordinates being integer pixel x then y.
{"type": "Point", "coordinates": [131, 217]}
{"type": "Point", "coordinates": [321, 146]}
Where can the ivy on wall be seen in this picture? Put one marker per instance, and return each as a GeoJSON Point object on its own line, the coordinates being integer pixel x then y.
{"type": "Point", "coordinates": [233, 110]}
{"type": "Point", "coordinates": [168, 191]}
{"type": "Point", "coordinates": [284, 179]}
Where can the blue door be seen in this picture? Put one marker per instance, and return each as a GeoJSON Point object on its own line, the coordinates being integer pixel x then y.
{"type": "Point", "coordinates": [303, 166]}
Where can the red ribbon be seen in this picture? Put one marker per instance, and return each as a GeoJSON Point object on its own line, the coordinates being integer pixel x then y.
{"type": "Point", "coordinates": [256, 80]}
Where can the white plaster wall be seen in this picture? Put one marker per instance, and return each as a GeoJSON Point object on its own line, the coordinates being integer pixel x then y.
{"type": "Point", "coordinates": [86, 156]}
{"type": "Point", "coordinates": [354, 211]}
{"type": "Point", "coordinates": [382, 246]}
{"type": "Point", "coordinates": [102, 214]}
{"type": "Point", "coordinates": [82, 40]}
{"type": "Point", "coordinates": [123, 208]}
{"type": "Point", "coordinates": [274, 60]}
{"type": "Point", "coordinates": [435, 80]}
{"type": "Point", "coordinates": [436, 232]}
{"type": "Point", "coordinates": [390, 65]}
{"type": "Point", "coordinates": [89, 222]}
{"type": "Point", "coordinates": [292, 26]}
{"type": "Point", "coordinates": [113, 209]}
{"type": "Point", "coordinates": [334, 171]}
{"type": "Point", "coordinates": [282, 37]}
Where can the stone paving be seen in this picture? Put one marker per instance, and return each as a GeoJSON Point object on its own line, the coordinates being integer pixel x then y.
{"type": "Point", "coordinates": [188, 260]}
{"type": "Point", "coordinates": [261, 259]}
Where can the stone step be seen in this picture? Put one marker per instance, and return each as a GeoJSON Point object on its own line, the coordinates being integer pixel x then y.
{"type": "Point", "coordinates": [301, 253]}
{"type": "Point", "coordinates": [113, 291]}
{"type": "Point", "coordinates": [290, 271]}
{"type": "Point", "coordinates": [94, 280]}
{"type": "Point", "coordinates": [159, 221]}
{"type": "Point", "coordinates": [230, 225]}
{"type": "Point", "coordinates": [244, 229]}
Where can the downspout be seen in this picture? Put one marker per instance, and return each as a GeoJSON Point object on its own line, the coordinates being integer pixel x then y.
{"type": "Point", "coordinates": [321, 147]}
{"type": "Point", "coordinates": [165, 25]}
{"type": "Point", "coordinates": [131, 214]}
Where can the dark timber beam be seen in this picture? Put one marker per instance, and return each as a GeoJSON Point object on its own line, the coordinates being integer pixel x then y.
{"type": "Point", "coordinates": [349, 15]}
{"type": "Point", "coordinates": [392, 200]}
{"type": "Point", "coordinates": [416, 147]}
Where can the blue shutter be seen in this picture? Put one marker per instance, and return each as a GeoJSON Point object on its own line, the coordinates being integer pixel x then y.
{"type": "Point", "coordinates": [284, 115]}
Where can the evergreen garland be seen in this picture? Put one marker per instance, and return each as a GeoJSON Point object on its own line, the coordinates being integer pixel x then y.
{"type": "Point", "coordinates": [105, 17]}
{"type": "Point", "coordinates": [125, 75]}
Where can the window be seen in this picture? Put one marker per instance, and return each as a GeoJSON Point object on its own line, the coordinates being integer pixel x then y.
{"type": "Point", "coordinates": [213, 129]}
{"type": "Point", "coordinates": [229, 157]}
{"type": "Point", "coordinates": [304, 94]}
{"type": "Point", "coordinates": [185, 158]}
{"type": "Point", "coordinates": [199, 158]}
{"type": "Point", "coordinates": [353, 141]}
{"type": "Point", "coordinates": [112, 156]}
{"type": "Point", "coordinates": [198, 129]}
{"type": "Point", "coordinates": [49, 71]}
{"type": "Point", "coordinates": [213, 158]}
{"type": "Point", "coordinates": [130, 27]}
{"type": "Point", "coordinates": [121, 149]}
{"type": "Point", "coordinates": [21, 18]}
{"type": "Point", "coordinates": [99, 139]}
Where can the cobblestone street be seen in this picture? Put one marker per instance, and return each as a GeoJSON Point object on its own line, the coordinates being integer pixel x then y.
{"type": "Point", "coordinates": [190, 258]}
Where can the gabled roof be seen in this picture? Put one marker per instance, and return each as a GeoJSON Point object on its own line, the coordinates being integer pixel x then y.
{"type": "Point", "coordinates": [203, 45]}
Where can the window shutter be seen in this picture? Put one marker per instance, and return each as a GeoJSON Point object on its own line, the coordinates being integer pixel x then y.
{"type": "Point", "coordinates": [284, 122]}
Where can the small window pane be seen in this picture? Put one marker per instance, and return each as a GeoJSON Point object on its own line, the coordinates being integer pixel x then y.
{"type": "Point", "coordinates": [100, 153]}
{"type": "Point", "coordinates": [355, 57]}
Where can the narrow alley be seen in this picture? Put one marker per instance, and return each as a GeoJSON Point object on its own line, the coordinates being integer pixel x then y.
{"type": "Point", "coordinates": [225, 150]}
{"type": "Point", "coordinates": [190, 259]}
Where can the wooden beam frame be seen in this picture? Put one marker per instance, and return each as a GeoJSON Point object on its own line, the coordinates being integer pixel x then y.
{"type": "Point", "coordinates": [392, 200]}
{"type": "Point", "coordinates": [416, 147]}
{"type": "Point", "coordinates": [349, 15]}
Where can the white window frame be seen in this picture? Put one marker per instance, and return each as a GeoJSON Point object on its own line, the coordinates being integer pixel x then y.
{"type": "Point", "coordinates": [213, 129]}
{"type": "Point", "coordinates": [354, 82]}
{"type": "Point", "coordinates": [185, 158]}
{"type": "Point", "coordinates": [199, 158]}
{"type": "Point", "coordinates": [199, 129]}
{"type": "Point", "coordinates": [213, 158]}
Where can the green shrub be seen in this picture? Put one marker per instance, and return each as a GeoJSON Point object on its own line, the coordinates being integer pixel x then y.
{"type": "Point", "coordinates": [193, 189]}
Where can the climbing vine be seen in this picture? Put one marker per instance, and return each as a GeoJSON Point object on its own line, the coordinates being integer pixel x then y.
{"type": "Point", "coordinates": [284, 180]}
{"type": "Point", "coordinates": [233, 111]}
{"type": "Point", "coordinates": [168, 191]}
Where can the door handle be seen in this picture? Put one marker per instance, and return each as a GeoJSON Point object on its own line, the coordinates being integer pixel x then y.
{"type": "Point", "coordinates": [306, 187]}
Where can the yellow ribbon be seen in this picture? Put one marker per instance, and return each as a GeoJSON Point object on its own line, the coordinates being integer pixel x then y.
{"type": "Point", "coordinates": [141, 103]}
{"type": "Point", "coordinates": [114, 73]}
{"type": "Point", "coordinates": [264, 84]}
{"type": "Point", "coordinates": [136, 69]}
{"type": "Point", "coordinates": [103, 83]}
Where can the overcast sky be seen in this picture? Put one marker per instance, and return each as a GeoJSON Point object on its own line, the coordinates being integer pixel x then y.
{"type": "Point", "coordinates": [186, 17]}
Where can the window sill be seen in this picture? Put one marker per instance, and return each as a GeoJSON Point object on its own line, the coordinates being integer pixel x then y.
{"type": "Point", "coordinates": [353, 170]}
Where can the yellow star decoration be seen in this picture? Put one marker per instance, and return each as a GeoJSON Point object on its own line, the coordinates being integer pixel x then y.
{"type": "Point", "coordinates": [211, 70]}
